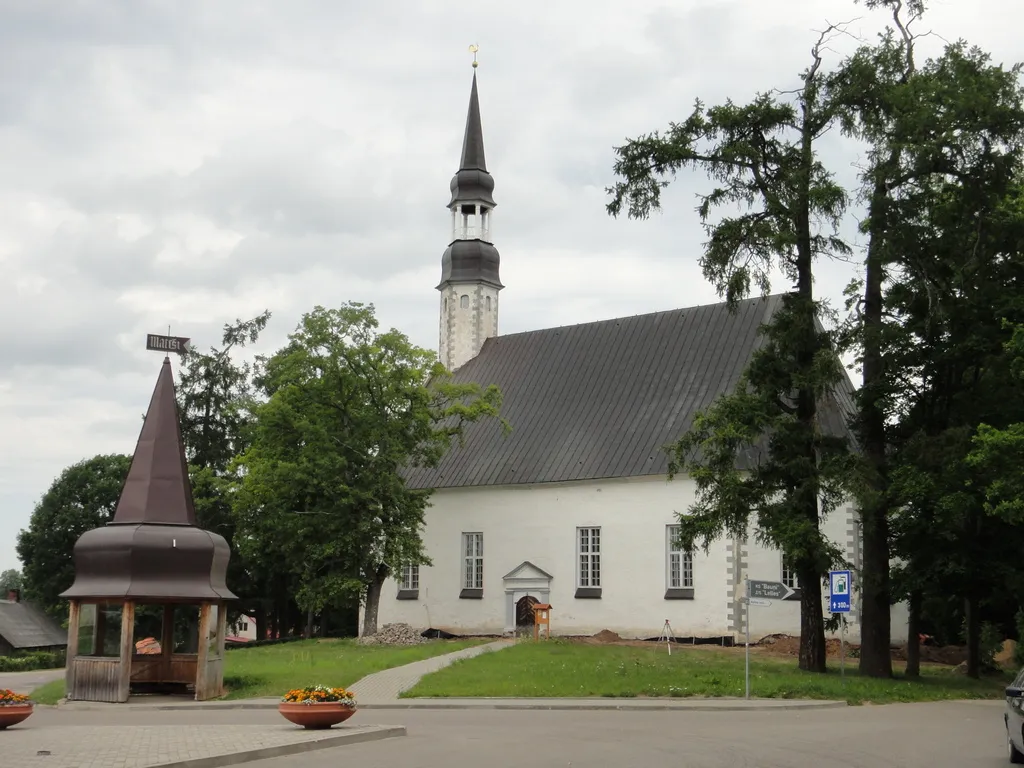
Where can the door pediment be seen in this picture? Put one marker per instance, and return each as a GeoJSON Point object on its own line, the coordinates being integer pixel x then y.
{"type": "Point", "coordinates": [527, 571]}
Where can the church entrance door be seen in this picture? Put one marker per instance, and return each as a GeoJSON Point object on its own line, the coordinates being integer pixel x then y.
{"type": "Point", "coordinates": [524, 615]}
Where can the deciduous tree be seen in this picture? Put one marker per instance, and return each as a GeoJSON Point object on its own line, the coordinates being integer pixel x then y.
{"type": "Point", "coordinates": [348, 409]}
{"type": "Point", "coordinates": [940, 134]}
{"type": "Point", "coordinates": [83, 497]}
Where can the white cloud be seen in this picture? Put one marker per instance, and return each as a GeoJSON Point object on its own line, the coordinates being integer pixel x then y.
{"type": "Point", "coordinates": [184, 163]}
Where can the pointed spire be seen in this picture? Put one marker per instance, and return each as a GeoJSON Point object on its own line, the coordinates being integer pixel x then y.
{"type": "Point", "coordinates": [158, 490]}
{"type": "Point", "coordinates": [472, 183]}
{"type": "Point", "coordinates": [473, 142]}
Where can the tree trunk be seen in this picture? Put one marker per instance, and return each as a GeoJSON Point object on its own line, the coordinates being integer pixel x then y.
{"type": "Point", "coordinates": [973, 621]}
{"type": "Point", "coordinates": [805, 490]}
{"type": "Point", "coordinates": [875, 654]}
{"type": "Point", "coordinates": [372, 606]}
{"type": "Point", "coordinates": [914, 635]}
{"type": "Point", "coordinates": [260, 615]}
{"type": "Point", "coordinates": [812, 622]}
{"type": "Point", "coordinates": [309, 624]}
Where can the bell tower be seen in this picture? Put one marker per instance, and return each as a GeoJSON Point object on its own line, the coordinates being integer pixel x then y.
{"type": "Point", "coordinates": [469, 284]}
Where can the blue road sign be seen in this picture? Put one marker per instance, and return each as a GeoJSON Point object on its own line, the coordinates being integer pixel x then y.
{"type": "Point", "coordinates": [839, 591]}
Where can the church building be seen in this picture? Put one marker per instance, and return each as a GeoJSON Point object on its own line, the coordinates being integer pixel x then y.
{"type": "Point", "coordinates": [573, 507]}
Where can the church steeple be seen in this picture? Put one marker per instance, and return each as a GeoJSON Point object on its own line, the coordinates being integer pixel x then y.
{"type": "Point", "coordinates": [470, 265]}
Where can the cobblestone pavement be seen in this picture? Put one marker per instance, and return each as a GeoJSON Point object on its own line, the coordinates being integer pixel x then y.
{"type": "Point", "coordinates": [149, 745]}
{"type": "Point", "coordinates": [939, 735]}
{"type": "Point", "coordinates": [26, 682]}
{"type": "Point", "coordinates": [382, 687]}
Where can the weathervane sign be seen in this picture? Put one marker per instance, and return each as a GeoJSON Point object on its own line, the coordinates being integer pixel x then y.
{"type": "Point", "coordinates": [167, 344]}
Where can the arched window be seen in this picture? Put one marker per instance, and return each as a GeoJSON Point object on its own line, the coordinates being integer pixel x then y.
{"type": "Point", "coordinates": [464, 301]}
{"type": "Point", "coordinates": [488, 303]}
{"type": "Point", "coordinates": [446, 305]}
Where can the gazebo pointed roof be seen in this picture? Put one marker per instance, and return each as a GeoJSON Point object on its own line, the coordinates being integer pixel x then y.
{"type": "Point", "coordinates": [157, 490]}
{"type": "Point", "coordinates": [153, 549]}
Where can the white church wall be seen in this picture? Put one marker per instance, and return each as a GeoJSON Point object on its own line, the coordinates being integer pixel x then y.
{"type": "Point", "coordinates": [539, 525]}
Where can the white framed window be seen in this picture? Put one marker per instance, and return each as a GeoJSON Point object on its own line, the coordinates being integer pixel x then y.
{"type": "Point", "coordinates": [789, 573]}
{"type": "Point", "coordinates": [410, 577]}
{"type": "Point", "coordinates": [472, 561]}
{"type": "Point", "coordinates": [588, 547]}
{"type": "Point", "coordinates": [679, 564]}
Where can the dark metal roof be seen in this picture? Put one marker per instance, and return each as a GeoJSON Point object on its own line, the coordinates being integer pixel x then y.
{"type": "Point", "coordinates": [472, 182]}
{"type": "Point", "coordinates": [470, 260]}
{"type": "Point", "coordinates": [152, 548]}
{"type": "Point", "coordinates": [601, 400]}
{"type": "Point", "coordinates": [167, 563]}
{"type": "Point", "coordinates": [23, 625]}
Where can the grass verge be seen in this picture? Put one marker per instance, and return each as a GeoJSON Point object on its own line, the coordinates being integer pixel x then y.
{"type": "Point", "coordinates": [274, 669]}
{"type": "Point", "coordinates": [557, 668]}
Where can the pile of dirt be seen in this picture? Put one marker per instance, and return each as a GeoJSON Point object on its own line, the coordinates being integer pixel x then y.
{"type": "Point", "coordinates": [606, 636]}
{"type": "Point", "coordinates": [950, 655]}
{"type": "Point", "coordinates": [394, 634]}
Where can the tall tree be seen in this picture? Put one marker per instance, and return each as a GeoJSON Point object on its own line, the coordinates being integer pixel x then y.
{"type": "Point", "coordinates": [952, 121]}
{"type": "Point", "coordinates": [214, 393]}
{"type": "Point", "coordinates": [763, 157]}
{"type": "Point", "coordinates": [349, 408]}
{"type": "Point", "coordinates": [83, 497]}
{"type": "Point", "coordinates": [9, 580]}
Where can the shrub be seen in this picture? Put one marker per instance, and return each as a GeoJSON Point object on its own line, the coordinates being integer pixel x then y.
{"type": "Point", "coordinates": [25, 662]}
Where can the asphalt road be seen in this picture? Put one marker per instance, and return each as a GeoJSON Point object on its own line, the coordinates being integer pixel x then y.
{"type": "Point", "coordinates": [940, 735]}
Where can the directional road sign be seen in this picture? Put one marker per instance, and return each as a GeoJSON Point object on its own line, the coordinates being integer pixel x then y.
{"type": "Point", "coordinates": [839, 591]}
{"type": "Point", "coordinates": [771, 590]}
{"type": "Point", "coordinates": [158, 343]}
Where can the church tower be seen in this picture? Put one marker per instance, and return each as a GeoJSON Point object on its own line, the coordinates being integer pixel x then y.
{"type": "Point", "coordinates": [469, 267]}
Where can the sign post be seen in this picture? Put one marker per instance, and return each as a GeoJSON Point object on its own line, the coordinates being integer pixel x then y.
{"type": "Point", "coordinates": [839, 602]}
{"type": "Point", "coordinates": [761, 594]}
{"type": "Point", "coordinates": [746, 667]}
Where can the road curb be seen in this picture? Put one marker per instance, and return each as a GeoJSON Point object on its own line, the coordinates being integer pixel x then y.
{"type": "Point", "coordinates": [329, 740]}
{"type": "Point", "coordinates": [570, 705]}
{"type": "Point", "coordinates": [616, 706]}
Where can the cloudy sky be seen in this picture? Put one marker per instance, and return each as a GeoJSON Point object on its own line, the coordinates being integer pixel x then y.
{"type": "Point", "coordinates": [186, 162]}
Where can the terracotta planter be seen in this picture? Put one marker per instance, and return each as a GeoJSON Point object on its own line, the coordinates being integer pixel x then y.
{"type": "Point", "coordinates": [14, 714]}
{"type": "Point", "coordinates": [320, 714]}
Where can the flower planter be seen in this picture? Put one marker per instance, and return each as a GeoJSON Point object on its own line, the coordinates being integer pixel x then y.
{"type": "Point", "coordinates": [315, 715]}
{"type": "Point", "coordinates": [14, 714]}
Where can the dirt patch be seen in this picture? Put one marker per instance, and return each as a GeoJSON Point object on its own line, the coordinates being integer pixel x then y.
{"type": "Point", "coordinates": [784, 646]}
{"type": "Point", "coordinates": [787, 645]}
{"type": "Point", "coordinates": [950, 655]}
{"type": "Point", "coordinates": [606, 636]}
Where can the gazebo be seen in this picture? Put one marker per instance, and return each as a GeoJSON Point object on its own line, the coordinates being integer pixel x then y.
{"type": "Point", "coordinates": [149, 596]}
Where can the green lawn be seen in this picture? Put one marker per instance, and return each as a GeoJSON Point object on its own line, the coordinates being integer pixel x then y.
{"type": "Point", "coordinates": [274, 669]}
{"type": "Point", "coordinates": [563, 668]}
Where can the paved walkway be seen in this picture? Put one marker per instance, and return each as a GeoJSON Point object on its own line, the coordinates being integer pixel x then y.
{"type": "Point", "coordinates": [171, 746]}
{"type": "Point", "coordinates": [385, 686]}
{"type": "Point", "coordinates": [938, 735]}
{"type": "Point", "coordinates": [26, 682]}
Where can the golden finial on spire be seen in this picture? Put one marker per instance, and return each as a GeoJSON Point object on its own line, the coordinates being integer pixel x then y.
{"type": "Point", "coordinates": [473, 49]}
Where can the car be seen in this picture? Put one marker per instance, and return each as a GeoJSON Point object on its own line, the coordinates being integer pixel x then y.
{"type": "Point", "coordinates": [1014, 719]}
